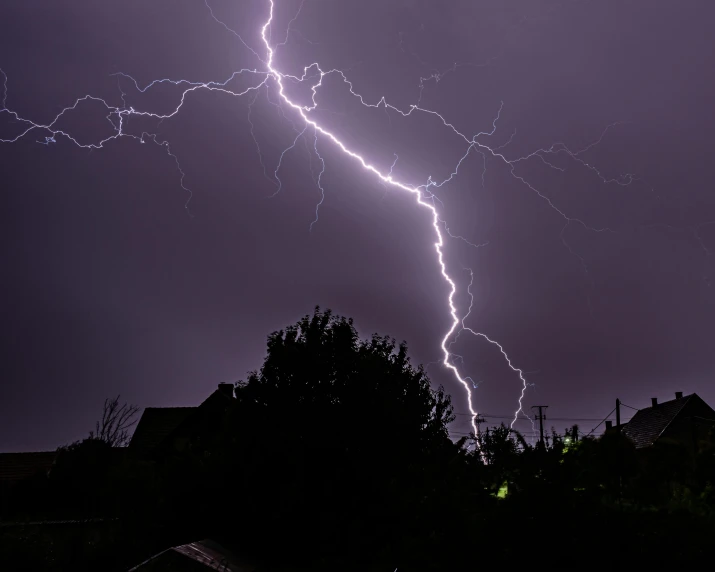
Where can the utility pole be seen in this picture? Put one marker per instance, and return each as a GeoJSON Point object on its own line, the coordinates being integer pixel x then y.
{"type": "Point", "coordinates": [540, 417]}
{"type": "Point", "coordinates": [620, 458]}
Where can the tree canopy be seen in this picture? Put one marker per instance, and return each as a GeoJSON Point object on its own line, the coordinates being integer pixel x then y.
{"type": "Point", "coordinates": [321, 383]}
{"type": "Point", "coordinates": [332, 420]}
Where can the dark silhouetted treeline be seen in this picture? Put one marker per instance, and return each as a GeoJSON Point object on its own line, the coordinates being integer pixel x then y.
{"type": "Point", "coordinates": [335, 455]}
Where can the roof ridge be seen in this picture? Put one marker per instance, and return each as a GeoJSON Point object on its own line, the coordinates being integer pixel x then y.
{"type": "Point", "coordinates": [685, 400]}
{"type": "Point", "coordinates": [650, 424]}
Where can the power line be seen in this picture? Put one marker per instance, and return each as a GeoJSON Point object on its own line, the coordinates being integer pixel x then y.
{"type": "Point", "coordinates": [606, 417]}
{"type": "Point", "coordinates": [530, 433]}
{"type": "Point", "coordinates": [487, 416]}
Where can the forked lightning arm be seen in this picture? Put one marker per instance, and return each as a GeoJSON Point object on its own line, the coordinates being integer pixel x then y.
{"type": "Point", "coordinates": [269, 72]}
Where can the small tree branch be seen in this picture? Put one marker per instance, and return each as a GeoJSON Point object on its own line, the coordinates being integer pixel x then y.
{"type": "Point", "coordinates": [116, 421]}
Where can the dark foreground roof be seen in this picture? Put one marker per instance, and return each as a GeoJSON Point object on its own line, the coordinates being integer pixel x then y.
{"type": "Point", "coordinates": [17, 466]}
{"type": "Point", "coordinates": [156, 424]}
{"type": "Point", "coordinates": [647, 425]}
{"type": "Point", "coordinates": [194, 557]}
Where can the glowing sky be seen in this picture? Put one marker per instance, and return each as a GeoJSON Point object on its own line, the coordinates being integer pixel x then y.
{"type": "Point", "coordinates": [111, 287]}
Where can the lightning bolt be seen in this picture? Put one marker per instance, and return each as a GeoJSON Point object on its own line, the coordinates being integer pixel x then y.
{"type": "Point", "coordinates": [269, 75]}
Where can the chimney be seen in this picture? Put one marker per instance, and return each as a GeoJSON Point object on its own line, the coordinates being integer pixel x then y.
{"type": "Point", "coordinates": [609, 425]}
{"type": "Point", "coordinates": [678, 395]}
{"type": "Point", "coordinates": [226, 389]}
{"type": "Point", "coordinates": [654, 401]}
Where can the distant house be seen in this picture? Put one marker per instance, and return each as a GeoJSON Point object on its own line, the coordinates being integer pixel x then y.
{"type": "Point", "coordinates": [18, 467]}
{"type": "Point", "coordinates": [686, 421]}
{"type": "Point", "coordinates": [15, 467]}
{"type": "Point", "coordinates": [163, 430]}
{"type": "Point", "coordinates": [160, 432]}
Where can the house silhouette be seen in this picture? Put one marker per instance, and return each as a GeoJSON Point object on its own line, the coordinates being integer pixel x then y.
{"type": "Point", "coordinates": [162, 431]}
{"type": "Point", "coordinates": [685, 421]}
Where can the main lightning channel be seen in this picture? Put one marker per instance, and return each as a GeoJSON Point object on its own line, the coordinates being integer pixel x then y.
{"type": "Point", "coordinates": [388, 179]}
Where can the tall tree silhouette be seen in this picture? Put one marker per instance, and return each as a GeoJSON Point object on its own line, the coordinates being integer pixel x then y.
{"type": "Point", "coordinates": [335, 437]}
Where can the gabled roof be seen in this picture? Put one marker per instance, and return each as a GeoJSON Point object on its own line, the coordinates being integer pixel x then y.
{"type": "Point", "coordinates": [17, 466]}
{"type": "Point", "coordinates": [156, 424]}
{"type": "Point", "coordinates": [647, 425]}
{"type": "Point", "coordinates": [219, 399]}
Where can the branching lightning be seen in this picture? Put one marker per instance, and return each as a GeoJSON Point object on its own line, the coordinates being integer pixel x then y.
{"type": "Point", "coordinates": [269, 75]}
{"type": "Point", "coordinates": [515, 369]}
{"type": "Point", "coordinates": [318, 181]}
{"type": "Point", "coordinates": [251, 103]}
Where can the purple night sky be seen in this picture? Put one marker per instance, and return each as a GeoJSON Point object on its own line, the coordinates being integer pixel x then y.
{"type": "Point", "coordinates": [110, 286]}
